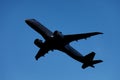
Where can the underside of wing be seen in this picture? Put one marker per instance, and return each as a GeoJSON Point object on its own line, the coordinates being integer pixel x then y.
{"type": "Point", "coordinates": [37, 26]}
{"type": "Point", "coordinates": [40, 53]}
{"type": "Point", "coordinates": [75, 37]}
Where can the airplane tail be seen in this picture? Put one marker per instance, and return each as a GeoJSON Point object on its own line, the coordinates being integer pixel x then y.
{"type": "Point", "coordinates": [88, 60]}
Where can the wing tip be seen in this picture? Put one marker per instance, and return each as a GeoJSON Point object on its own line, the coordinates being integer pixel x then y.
{"type": "Point", "coordinates": [99, 32]}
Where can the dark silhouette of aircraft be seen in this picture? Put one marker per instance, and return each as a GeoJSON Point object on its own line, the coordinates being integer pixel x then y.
{"type": "Point", "coordinates": [57, 41]}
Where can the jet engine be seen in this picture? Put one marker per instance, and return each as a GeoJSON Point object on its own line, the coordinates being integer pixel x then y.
{"type": "Point", "coordinates": [58, 34]}
{"type": "Point", "coordinates": [38, 43]}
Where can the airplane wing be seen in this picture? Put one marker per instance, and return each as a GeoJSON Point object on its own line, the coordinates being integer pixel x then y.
{"type": "Point", "coordinates": [37, 26]}
{"type": "Point", "coordinates": [41, 53]}
{"type": "Point", "coordinates": [75, 37]}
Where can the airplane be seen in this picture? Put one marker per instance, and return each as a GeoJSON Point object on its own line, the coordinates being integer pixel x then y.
{"type": "Point", "coordinates": [58, 41]}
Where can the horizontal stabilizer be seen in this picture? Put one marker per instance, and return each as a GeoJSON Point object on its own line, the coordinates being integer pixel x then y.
{"type": "Point", "coordinates": [97, 61]}
{"type": "Point", "coordinates": [88, 60]}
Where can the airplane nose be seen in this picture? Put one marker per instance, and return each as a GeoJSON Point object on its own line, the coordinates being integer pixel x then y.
{"type": "Point", "coordinates": [27, 21]}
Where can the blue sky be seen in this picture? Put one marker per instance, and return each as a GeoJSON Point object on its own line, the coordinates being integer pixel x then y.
{"type": "Point", "coordinates": [17, 49]}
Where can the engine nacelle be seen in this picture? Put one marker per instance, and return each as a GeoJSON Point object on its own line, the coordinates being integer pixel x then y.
{"type": "Point", "coordinates": [58, 34]}
{"type": "Point", "coordinates": [38, 43]}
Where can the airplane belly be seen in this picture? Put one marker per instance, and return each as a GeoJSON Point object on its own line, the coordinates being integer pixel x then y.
{"type": "Point", "coordinates": [73, 53]}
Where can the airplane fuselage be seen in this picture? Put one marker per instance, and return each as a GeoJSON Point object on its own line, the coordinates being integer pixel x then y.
{"type": "Point", "coordinates": [57, 43]}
